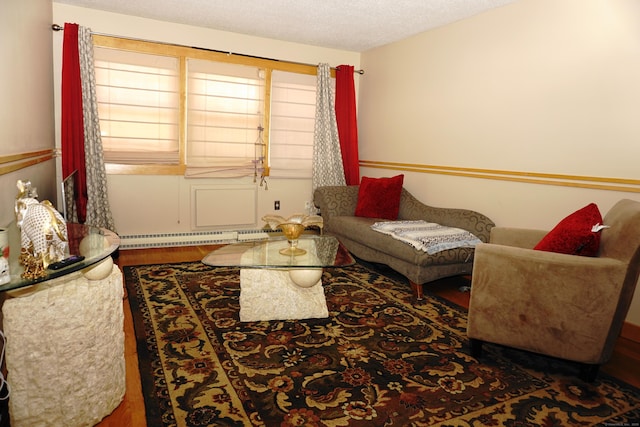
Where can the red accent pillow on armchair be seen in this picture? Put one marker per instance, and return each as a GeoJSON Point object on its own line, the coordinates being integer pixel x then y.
{"type": "Point", "coordinates": [379, 197]}
{"type": "Point", "coordinates": [573, 234]}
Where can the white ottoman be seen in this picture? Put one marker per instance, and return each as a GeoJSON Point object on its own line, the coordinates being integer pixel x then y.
{"type": "Point", "coordinates": [65, 351]}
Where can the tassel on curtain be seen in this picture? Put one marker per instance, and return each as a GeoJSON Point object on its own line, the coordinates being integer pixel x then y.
{"type": "Point", "coordinates": [327, 168]}
{"type": "Point", "coordinates": [81, 142]}
{"type": "Point", "coordinates": [347, 123]}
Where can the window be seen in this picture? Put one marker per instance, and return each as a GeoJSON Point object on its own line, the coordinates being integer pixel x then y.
{"type": "Point", "coordinates": [138, 106]}
{"type": "Point", "coordinates": [225, 118]}
{"type": "Point", "coordinates": [168, 109]}
{"type": "Point", "coordinates": [293, 110]}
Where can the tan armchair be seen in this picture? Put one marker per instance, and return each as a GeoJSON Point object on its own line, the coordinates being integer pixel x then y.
{"type": "Point", "coordinates": [565, 306]}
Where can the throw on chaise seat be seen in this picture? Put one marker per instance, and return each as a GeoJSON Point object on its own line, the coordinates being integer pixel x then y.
{"type": "Point", "coordinates": [337, 206]}
{"type": "Point", "coordinates": [558, 304]}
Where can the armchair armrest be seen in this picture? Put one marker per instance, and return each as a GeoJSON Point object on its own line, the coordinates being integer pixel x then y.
{"type": "Point", "coordinates": [466, 219]}
{"type": "Point", "coordinates": [518, 237]}
{"type": "Point", "coordinates": [545, 302]}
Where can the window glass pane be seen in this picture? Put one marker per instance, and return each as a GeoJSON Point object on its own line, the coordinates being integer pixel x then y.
{"type": "Point", "coordinates": [225, 112]}
{"type": "Point", "coordinates": [293, 100]}
{"type": "Point", "coordinates": [138, 106]}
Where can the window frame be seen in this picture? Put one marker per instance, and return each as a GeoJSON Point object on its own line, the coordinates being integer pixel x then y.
{"type": "Point", "coordinates": [182, 53]}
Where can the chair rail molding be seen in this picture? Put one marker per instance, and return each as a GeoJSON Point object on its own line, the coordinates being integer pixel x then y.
{"type": "Point", "coordinates": [13, 162]}
{"type": "Point", "coordinates": [564, 180]}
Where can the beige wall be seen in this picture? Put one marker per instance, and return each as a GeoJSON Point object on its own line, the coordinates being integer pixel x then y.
{"type": "Point", "coordinates": [26, 85]}
{"type": "Point", "coordinates": [162, 205]}
{"type": "Point", "coordinates": [542, 86]}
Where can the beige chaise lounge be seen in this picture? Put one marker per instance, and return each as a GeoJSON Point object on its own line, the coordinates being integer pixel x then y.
{"type": "Point", "coordinates": [337, 206]}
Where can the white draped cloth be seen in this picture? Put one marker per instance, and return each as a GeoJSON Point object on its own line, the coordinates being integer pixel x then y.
{"type": "Point", "coordinates": [427, 236]}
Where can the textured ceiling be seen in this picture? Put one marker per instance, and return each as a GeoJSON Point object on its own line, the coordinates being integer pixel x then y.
{"type": "Point", "coordinates": [354, 25]}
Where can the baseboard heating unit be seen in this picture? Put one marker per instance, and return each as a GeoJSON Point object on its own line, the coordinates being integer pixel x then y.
{"type": "Point", "coordinates": [140, 241]}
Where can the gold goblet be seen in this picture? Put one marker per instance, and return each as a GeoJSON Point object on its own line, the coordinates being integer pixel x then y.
{"type": "Point", "coordinates": [292, 232]}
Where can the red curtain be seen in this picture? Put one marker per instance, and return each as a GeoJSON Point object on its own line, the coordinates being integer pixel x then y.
{"type": "Point", "coordinates": [347, 123]}
{"type": "Point", "coordinates": [72, 129]}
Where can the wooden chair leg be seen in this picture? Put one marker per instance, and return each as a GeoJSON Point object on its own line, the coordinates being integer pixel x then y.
{"type": "Point", "coordinates": [589, 372]}
{"type": "Point", "coordinates": [476, 347]}
{"type": "Point", "coordinates": [417, 290]}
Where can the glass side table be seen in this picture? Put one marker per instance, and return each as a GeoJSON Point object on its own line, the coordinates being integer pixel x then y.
{"type": "Point", "coordinates": [83, 240]}
{"type": "Point", "coordinates": [65, 337]}
{"type": "Point", "coordinates": [274, 286]}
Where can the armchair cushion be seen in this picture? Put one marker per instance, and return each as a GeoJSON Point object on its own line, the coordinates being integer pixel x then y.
{"type": "Point", "coordinates": [379, 197]}
{"type": "Point", "coordinates": [573, 235]}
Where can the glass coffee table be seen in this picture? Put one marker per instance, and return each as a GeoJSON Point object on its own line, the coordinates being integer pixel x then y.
{"type": "Point", "coordinates": [277, 286]}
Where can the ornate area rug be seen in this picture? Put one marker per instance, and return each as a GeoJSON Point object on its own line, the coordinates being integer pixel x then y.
{"type": "Point", "coordinates": [378, 360]}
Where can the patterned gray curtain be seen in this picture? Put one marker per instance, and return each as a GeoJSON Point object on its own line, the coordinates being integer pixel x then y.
{"type": "Point", "coordinates": [98, 210]}
{"type": "Point", "coordinates": [327, 168]}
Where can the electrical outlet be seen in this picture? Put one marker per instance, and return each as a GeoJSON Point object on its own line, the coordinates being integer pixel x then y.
{"type": "Point", "coordinates": [276, 205]}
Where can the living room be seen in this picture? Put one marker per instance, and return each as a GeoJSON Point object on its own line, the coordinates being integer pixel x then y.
{"type": "Point", "coordinates": [526, 112]}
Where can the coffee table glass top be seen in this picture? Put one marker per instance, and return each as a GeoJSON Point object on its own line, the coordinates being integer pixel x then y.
{"type": "Point", "coordinates": [321, 251]}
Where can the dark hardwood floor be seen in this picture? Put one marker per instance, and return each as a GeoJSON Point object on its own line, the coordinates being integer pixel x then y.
{"type": "Point", "coordinates": [625, 363]}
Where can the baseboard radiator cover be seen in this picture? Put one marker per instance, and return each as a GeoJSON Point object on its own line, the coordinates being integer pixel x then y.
{"type": "Point", "coordinates": [141, 241]}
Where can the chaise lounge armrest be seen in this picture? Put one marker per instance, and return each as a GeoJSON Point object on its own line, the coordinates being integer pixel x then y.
{"type": "Point", "coordinates": [338, 200]}
{"type": "Point", "coordinates": [536, 297]}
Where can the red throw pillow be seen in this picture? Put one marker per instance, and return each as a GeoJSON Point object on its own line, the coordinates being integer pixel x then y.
{"type": "Point", "coordinates": [573, 234]}
{"type": "Point", "coordinates": [379, 197]}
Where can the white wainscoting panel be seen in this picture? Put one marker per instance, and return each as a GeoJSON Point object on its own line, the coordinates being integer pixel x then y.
{"type": "Point", "coordinates": [223, 206]}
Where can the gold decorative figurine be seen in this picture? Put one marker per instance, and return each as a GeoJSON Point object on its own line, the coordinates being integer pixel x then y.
{"type": "Point", "coordinates": [43, 232]}
{"type": "Point", "coordinates": [292, 228]}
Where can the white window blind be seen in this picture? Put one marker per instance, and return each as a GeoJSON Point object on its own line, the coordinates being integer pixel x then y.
{"type": "Point", "coordinates": [225, 115]}
{"type": "Point", "coordinates": [293, 107]}
{"type": "Point", "coordinates": [138, 106]}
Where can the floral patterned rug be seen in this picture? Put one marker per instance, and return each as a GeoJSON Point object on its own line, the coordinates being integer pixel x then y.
{"type": "Point", "coordinates": [379, 359]}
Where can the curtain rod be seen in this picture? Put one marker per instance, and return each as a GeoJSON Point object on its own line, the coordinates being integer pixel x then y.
{"type": "Point", "coordinates": [56, 27]}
